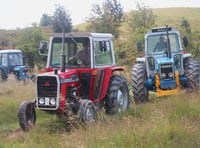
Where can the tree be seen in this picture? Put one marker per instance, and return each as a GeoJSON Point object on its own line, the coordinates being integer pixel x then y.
{"type": "Point", "coordinates": [46, 20]}
{"type": "Point", "coordinates": [138, 22]}
{"type": "Point", "coordinates": [61, 19]}
{"type": "Point", "coordinates": [185, 26]}
{"type": "Point", "coordinates": [193, 38]}
{"type": "Point", "coordinates": [106, 18]}
{"type": "Point", "coordinates": [28, 41]}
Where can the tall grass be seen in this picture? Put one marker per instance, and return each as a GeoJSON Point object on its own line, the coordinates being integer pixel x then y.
{"type": "Point", "coordinates": [162, 122]}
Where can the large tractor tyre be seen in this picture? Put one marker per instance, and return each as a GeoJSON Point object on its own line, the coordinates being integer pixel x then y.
{"type": "Point", "coordinates": [2, 75]}
{"type": "Point", "coordinates": [192, 72]}
{"type": "Point", "coordinates": [26, 115]}
{"type": "Point", "coordinates": [139, 75]}
{"type": "Point", "coordinates": [117, 97]}
{"type": "Point", "coordinates": [86, 111]}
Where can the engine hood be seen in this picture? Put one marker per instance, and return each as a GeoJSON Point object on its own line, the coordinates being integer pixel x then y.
{"type": "Point", "coordinates": [164, 60]}
{"type": "Point", "coordinates": [18, 68]}
{"type": "Point", "coordinates": [67, 76]}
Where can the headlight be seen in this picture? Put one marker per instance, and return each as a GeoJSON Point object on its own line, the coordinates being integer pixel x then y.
{"type": "Point", "coordinates": [163, 75]}
{"type": "Point", "coordinates": [41, 101]}
{"type": "Point", "coordinates": [170, 75]}
{"type": "Point", "coordinates": [53, 101]}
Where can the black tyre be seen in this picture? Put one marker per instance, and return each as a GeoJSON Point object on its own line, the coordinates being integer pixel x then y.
{"type": "Point", "coordinates": [117, 98]}
{"type": "Point", "coordinates": [33, 78]}
{"type": "Point", "coordinates": [139, 75]}
{"type": "Point", "coordinates": [26, 115]}
{"type": "Point", "coordinates": [192, 72]}
{"type": "Point", "coordinates": [86, 111]}
{"type": "Point", "coordinates": [2, 75]}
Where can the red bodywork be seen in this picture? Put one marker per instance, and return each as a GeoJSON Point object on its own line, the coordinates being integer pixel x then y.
{"type": "Point", "coordinates": [99, 79]}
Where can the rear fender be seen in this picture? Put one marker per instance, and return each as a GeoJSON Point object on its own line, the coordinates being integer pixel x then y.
{"type": "Point", "coordinates": [118, 69]}
{"type": "Point", "coordinates": [186, 55]}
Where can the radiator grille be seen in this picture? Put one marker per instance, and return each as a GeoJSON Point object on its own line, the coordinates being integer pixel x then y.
{"type": "Point", "coordinates": [167, 69]}
{"type": "Point", "coordinates": [47, 86]}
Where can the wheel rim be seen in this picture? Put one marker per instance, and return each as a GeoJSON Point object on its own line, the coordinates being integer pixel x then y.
{"type": "Point", "coordinates": [89, 113]}
{"type": "Point", "coordinates": [121, 100]}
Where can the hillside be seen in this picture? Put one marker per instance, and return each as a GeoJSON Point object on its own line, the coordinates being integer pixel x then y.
{"type": "Point", "coordinates": [169, 16]}
{"type": "Point", "coordinates": [173, 17]}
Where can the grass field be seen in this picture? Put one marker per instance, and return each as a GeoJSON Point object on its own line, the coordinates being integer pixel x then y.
{"type": "Point", "coordinates": [162, 122]}
{"type": "Point", "coordinates": [174, 16]}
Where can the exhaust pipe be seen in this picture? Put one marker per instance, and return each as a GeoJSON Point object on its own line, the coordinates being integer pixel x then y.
{"type": "Point", "coordinates": [63, 56]}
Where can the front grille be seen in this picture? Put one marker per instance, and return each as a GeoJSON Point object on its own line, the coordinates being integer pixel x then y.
{"type": "Point", "coordinates": [47, 86]}
{"type": "Point", "coordinates": [167, 70]}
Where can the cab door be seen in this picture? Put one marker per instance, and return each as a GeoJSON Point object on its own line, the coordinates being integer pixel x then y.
{"type": "Point", "coordinates": [103, 60]}
{"type": "Point", "coordinates": [4, 63]}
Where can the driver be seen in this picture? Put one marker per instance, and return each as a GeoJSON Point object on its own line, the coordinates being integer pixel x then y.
{"type": "Point", "coordinates": [161, 45]}
{"type": "Point", "coordinates": [83, 55]}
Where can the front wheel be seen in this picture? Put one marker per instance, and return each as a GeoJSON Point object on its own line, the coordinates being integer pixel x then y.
{"type": "Point", "coordinates": [27, 115]}
{"type": "Point", "coordinates": [33, 78]}
{"type": "Point", "coordinates": [86, 111]}
{"type": "Point", "coordinates": [117, 98]}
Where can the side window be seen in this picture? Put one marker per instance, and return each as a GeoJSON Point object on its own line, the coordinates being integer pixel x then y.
{"type": "Point", "coordinates": [4, 59]}
{"type": "Point", "coordinates": [103, 55]}
{"type": "Point", "coordinates": [11, 59]}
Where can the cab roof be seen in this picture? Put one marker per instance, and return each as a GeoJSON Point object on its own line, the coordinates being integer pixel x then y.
{"type": "Point", "coordinates": [83, 34]}
{"type": "Point", "coordinates": [161, 29]}
{"type": "Point", "coordinates": [10, 51]}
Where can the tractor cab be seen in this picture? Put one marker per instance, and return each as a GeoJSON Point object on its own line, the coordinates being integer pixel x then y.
{"type": "Point", "coordinates": [12, 62]}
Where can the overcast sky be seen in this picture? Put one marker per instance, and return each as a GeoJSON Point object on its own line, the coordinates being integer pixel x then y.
{"type": "Point", "coordinates": [22, 13]}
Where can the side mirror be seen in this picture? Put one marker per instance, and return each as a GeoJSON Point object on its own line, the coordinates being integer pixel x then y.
{"type": "Point", "coordinates": [102, 45]}
{"type": "Point", "coordinates": [43, 48]}
{"type": "Point", "coordinates": [139, 46]}
{"type": "Point", "coordinates": [185, 41]}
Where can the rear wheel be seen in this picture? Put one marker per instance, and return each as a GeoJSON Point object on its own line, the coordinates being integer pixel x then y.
{"type": "Point", "coordinates": [26, 115]}
{"type": "Point", "coordinates": [140, 91]}
{"type": "Point", "coordinates": [117, 98]}
{"type": "Point", "coordinates": [2, 75]}
{"type": "Point", "coordinates": [192, 72]}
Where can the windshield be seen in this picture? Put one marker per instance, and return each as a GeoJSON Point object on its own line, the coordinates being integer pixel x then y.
{"type": "Point", "coordinates": [15, 59]}
{"type": "Point", "coordinates": [76, 50]}
{"type": "Point", "coordinates": [156, 44]}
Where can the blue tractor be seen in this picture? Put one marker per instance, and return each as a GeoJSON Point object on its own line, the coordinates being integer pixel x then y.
{"type": "Point", "coordinates": [12, 62]}
{"type": "Point", "coordinates": [165, 68]}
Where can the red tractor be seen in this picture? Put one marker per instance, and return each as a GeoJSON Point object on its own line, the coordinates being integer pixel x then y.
{"type": "Point", "coordinates": [80, 77]}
